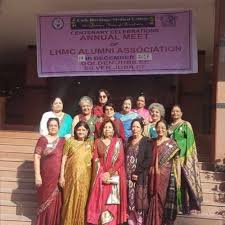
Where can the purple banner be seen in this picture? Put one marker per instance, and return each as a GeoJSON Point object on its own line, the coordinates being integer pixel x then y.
{"type": "Point", "coordinates": [115, 43]}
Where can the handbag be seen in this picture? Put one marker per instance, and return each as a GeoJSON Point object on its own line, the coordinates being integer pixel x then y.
{"type": "Point", "coordinates": [114, 196]}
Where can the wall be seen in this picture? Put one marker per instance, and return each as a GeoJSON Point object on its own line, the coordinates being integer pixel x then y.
{"type": "Point", "coordinates": [18, 21]}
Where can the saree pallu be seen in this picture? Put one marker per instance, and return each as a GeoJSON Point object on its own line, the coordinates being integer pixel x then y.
{"type": "Point", "coordinates": [138, 160]}
{"type": "Point", "coordinates": [65, 128]}
{"type": "Point", "coordinates": [77, 181]}
{"type": "Point", "coordinates": [191, 190]}
{"type": "Point", "coordinates": [162, 184]}
{"type": "Point", "coordinates": [101, 209]}
{"type": "Point", "coordinates": [48, 195]}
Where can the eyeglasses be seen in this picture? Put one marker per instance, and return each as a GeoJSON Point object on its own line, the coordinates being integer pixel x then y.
{"type": "Point", "coordinates": [102, 96]}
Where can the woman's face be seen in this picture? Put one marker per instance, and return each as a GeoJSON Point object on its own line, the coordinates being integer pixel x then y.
{"type": "Point", "coordinates": [102, 98]}
{"type": "Point", "coordinates": [86, 107]}
{"type": "Point", "coordinates": [57, 105]}
{"type": "Point", "coordinates": [108, 130]}
{"type": "Point", "coordinates": [140, 102]}
{"type": "Point", "coordinates": [53, 127]}
{"type": "Point", "coordinates": [176, 113]}
{"type": "Point", "coordinates": [136, 128]}
{"type": "Point", "coordinates": [161, 129]}
{"type": "Point", "coordinates": [109, 112]}
{"type": "Point", "coordinates": [155, 114]}
{"type": "Point", "coordinates": [127, 106]}
{"type": "Point", "coordinates": [81, 132]}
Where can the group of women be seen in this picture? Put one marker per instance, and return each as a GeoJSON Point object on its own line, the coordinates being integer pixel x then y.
{"type": "Point", "coordinates": [107, 167]}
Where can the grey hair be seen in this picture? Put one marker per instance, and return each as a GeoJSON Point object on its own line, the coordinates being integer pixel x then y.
{"type": "Point", "coordinates": [86, 99]}
{"type": "Point", "coordinates": [158, 106]}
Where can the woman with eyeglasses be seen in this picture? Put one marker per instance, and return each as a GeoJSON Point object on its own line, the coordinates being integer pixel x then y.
{"type": "Point", "coordinates": [103, 97]}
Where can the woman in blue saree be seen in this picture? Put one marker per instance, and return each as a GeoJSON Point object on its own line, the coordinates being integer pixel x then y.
{"type": "Point", "coordinates": [127, 116]}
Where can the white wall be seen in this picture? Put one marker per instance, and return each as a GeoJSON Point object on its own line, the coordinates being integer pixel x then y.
{"type": "Point", "coordinates": [17, 20]}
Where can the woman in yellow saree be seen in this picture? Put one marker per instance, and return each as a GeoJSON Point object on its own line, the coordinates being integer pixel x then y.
{"type": "Point", "coordinates": [76, 175]}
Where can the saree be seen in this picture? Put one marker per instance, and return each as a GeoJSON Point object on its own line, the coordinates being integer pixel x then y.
{"type": "Point", "coordinates": [144, 113]}
{"type": "Point", "coordinates": [91, 123]}
{"type": "Point", "coordinates": [107, 205]}
{"type": "Point", "coordinates": [127, 120]}
{"type": "Point", "coordinates": [162, 184]}
{"type": "Point", "coordinates": [48, 194]}
{"type": "Point", "coordinates": [65, 124]}
{"type": "Point", "coordinates": [138, 160]}
{"type": "Point", "coordinates": [77, 181]}
{"type": "Point", "coordinates": [191, 190]}
{"type": "Point", "coordinates": [150, 131]}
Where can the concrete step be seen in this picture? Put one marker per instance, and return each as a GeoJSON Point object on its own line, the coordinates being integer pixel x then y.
{"type": "Point", "coordinates": [17, 194]}
{"type": "Point", "coordinates": [17, 172]}
{"type": "Point", "coordinates": [17, 183]}
{"type": "Point", "coordinates": [27, 209]}
{"type": "Point", "coordinates": [16, 148]}
{"type": "Point", "coordinates": [19, 134]}
{"type": "Point", "coordinates": [213, 185]}
{"type": "Point", "coordinates": [212, 208]}
{"type": "Point", "coordinates": [214, 196]}
{"type": "Point", "coordinates": [206, 166]}
{"type": "Point", "coordinates": [18, 155]}
{"type": "Point", "coordinates": [16, 163]}
{"type": "Point", "coordinates": [9, 219]}
{"type": "Point", "coordinates": [17, 141]}
{"type": "Point", "coordinates": [212, 176]}
{"type": "Point", "coordinates": [200, 219]}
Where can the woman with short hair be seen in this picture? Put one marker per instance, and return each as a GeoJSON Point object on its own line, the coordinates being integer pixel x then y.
{"type": "Point", "coordinates": [108, 198]}
{"type": "Point", "coordinates": [126, 115]}
{"type": "Point", "coordinates": [75, 175]}
{"type": "Point", "coordinates": [157, 112]}
{"type": "Point", "coordinates": [47, 163]}
{"type": "Point", "coordinates": [138, 161]}
{"type": "Point", "coordinates": [86, 105]}
{"type": "Point", "coordinates": [65, 119]}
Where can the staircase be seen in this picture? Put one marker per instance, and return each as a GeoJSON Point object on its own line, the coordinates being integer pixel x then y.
{"type": "Point", "coordinates": [17, 189]}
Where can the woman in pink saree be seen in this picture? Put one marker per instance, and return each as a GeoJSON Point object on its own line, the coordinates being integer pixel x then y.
{"type": "Point", "coordinates": [47, 163]}
{"type": "Point", "coordinates": [108, 198]}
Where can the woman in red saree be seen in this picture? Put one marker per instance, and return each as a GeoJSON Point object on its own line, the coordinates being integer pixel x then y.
{"type": "Point", "coordinates": [109, 111]}
{"type": "Point", "coordinates": [164, 179]}
{"type": "Point", "coordinates": [47, 163]}
{"type": "Point", "coordinates": [108, 198]}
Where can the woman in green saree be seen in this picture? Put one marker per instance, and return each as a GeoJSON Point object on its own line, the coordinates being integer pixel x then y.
{"type": "Point", "coordinates": [191, 191]}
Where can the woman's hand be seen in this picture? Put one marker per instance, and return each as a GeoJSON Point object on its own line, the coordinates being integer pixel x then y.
{"type": "Point", "coordinates": [38, 181]}
{"type": "Point", "coordinates": [106, 177]}
{"type": "Point", "coordinates": [134, 177]}
{"type": "Point", "coordinates": [62, 182]}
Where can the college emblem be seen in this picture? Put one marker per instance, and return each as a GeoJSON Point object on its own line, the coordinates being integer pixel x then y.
{"type": "Point", "coordinates": [57, 23]}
